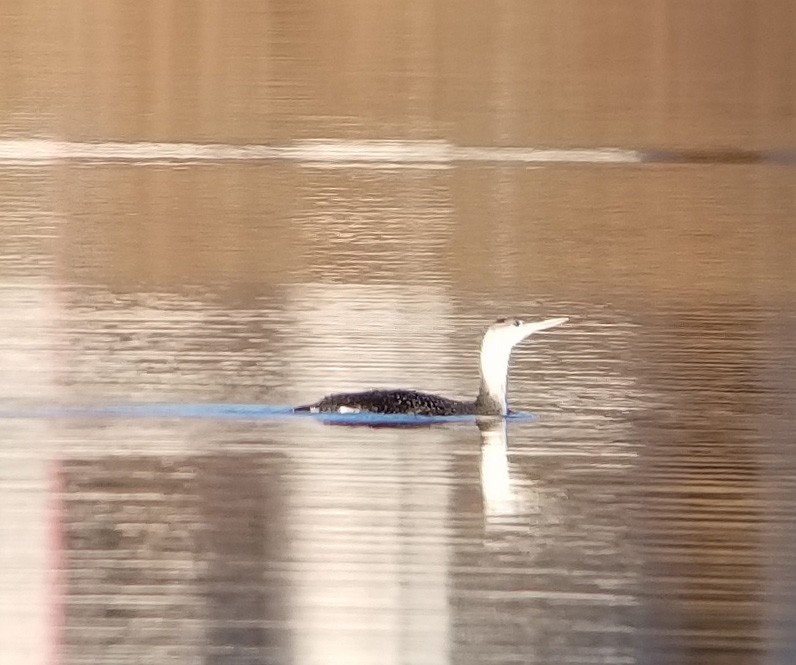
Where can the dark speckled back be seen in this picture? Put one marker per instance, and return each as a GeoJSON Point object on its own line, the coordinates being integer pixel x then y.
{"type": "Point", "coordinates": [394, 401]}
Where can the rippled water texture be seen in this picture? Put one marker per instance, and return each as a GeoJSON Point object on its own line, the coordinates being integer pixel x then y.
{"type": "Point", "coordinates": [212, 211]}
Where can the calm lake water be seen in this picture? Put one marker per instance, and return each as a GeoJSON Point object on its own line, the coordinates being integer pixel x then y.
{"type": "Point", "coordinates": [212, 210]}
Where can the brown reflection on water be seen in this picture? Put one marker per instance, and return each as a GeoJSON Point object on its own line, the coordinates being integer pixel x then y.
{"type": "Point", "coordinates": [668, 232]}
{"type": "Point", "coordinates": [703, 518]}
{"type": "Point", "coordinates": [645, 232]}
{"type": "Point", "coordinates": [161, 227]}
{"type": "Point", "coordinates": [660, 74]}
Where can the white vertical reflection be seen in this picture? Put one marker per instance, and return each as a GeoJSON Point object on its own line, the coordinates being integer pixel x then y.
{"type": "Point", "coordinates": [28, 605]}
{"type": "Point", "coordinates": [369, 584]}
{"type": "Point", "coordinates": [501, 498]}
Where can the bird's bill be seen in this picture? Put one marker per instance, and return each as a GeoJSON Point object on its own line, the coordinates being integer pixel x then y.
{"type": "Point", "coordinates": [535, 326]}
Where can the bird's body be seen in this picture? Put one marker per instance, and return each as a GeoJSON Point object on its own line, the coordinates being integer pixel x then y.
{"type": "Point", "coordinates": [496, 347]}
{"type": "Point", "coordinates": [391, 401]}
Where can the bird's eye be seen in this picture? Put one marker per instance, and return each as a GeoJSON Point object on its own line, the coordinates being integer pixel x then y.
{"type": "Point", "coordinates": [517, 322]}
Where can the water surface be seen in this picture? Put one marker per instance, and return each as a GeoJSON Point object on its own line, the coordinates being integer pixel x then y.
{"type": "Point", "coordinates": [209, 215]}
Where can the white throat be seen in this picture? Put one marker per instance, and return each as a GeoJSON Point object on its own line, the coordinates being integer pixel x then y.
{"type": "Point", "coordinates": [495, 354]}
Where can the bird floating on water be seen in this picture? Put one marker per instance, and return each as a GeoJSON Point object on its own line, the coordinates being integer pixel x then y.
{"type": "Point", "coordinates": [499, 340]}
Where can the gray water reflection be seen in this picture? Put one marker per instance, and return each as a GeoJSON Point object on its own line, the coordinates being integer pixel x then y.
{"type": "Point", "coordinates": [334, 546]}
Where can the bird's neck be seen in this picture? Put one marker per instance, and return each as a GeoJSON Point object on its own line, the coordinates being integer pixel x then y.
{"type": "Point", "coordinates": [492, 395]}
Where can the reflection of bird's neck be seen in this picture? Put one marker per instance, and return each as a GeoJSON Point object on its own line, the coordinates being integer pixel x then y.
{"type": "Point", "coordinates": [495, 480]}
{"type": "Point", "coordinates": [492, 395]}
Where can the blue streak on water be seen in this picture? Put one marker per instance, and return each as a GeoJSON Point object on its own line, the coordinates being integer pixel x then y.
{"type": "Point", "coordinates": [233, 412]}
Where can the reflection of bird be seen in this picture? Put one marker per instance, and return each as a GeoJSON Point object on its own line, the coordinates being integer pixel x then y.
{"type": "Point", "coordinates": [503, 498]}
{"type": "Point", "coordinates": [499, 339]}
{"type": "Point", "coordinates": [496, 491]}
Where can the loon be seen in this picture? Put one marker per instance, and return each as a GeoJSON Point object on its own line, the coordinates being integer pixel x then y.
{"type": "Point", "coordinates": [499, 339]}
